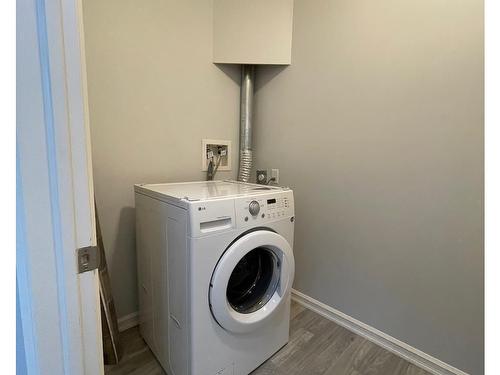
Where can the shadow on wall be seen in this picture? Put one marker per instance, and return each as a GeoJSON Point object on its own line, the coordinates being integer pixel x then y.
{"type": "Point", "coordinates": [124, 257]}
{"type": "Point", "coordinates": [265, 73]}
{"type": "Point", "coordinates": [233, 71]}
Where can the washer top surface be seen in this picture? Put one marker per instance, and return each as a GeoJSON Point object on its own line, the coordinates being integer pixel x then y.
{"type": "Point", "coordinates": [206, 190]}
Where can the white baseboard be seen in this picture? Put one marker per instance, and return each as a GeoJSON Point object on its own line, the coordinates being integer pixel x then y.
{"type": "Point", "coordinates": [128, 321]}
{"type": "Point", "coordinates": [411, 354]}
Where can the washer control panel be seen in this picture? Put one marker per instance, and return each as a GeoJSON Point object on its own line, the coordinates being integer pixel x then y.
{"type": "Point", "coordinates": [263, 208]}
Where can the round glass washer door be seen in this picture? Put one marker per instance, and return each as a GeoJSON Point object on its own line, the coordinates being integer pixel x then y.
{"type": "Point", "coordinates": [251, 280]}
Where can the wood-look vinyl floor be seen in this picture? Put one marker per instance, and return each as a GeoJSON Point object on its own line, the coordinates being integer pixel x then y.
{"type": "Point", "coordinates": [317, 346]}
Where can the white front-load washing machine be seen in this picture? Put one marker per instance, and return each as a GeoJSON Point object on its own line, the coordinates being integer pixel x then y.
{"type": "Point", "coordinates": [215, 270]}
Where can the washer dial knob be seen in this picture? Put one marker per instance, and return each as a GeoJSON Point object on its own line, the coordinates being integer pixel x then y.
{"type": "Point", "coordinates": [254, 208]}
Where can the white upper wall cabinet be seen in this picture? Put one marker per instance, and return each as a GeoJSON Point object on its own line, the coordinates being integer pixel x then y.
{"type": "Point", "coordinates": [252, 31]}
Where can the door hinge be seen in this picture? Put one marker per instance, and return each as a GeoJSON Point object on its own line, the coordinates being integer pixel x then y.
{"type": "Point", "coordinates": [88, 258]}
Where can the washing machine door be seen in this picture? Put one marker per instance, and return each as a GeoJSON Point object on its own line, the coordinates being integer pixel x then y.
{"type": "Point", "coordinates": [251, 281]}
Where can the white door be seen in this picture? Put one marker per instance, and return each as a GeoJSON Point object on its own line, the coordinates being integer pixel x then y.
{"type": "Point", "coordinates": [251, 281]}
{"type": "Point", "coordinates": [59, 311]}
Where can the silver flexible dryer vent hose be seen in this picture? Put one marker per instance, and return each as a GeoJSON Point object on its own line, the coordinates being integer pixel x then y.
{"type": "Point", "coordinates": [245, 165]}
{"type": "Point", "coordinates": [246, 109]}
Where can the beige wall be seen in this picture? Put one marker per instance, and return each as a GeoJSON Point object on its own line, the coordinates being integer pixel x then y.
{"type": "Point", "coordinates": [154, 94]}
{"type": "Point", "coordinates": [378, 127]}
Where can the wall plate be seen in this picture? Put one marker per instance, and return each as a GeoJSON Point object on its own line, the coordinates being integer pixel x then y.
{"type": "Point", "coordinates": [212, 144]}
{"type": "Point", "coordinates": [275, 175]}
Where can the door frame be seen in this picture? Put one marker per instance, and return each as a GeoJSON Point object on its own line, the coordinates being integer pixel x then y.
{"type": "Point", "coordinates": [59, 309]}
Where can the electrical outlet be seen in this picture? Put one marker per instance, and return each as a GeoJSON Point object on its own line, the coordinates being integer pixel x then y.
{"type": "Point", "coordinates": [262, 176]}
{"type": "Point", "coordinates": [275, 175]}
{"type": "Point", "coordinates": [215, 149]}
